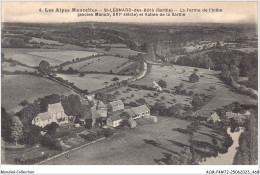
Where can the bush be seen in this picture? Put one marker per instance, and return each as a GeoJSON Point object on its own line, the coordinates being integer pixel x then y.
{"type": "Point", "coordinates": [24, 103]}
{"type": "Point", "coordinates": [90, 137]}
{"type": "Point", "coordinates": [48, 142]}
{"type": "Point", "coordinates": [190, 93]}
{"type": "Point", "coordinates": [162, 83]}
{"type": "Point", "coordinates": [107, 132]}
{"type": "Point", "coordinates": [212, 87]}
{"type": "Point", "coordinates": [194, 78]}
{"type": "Point", "coordinates": [115, 79]}
{"type": "Point", "coordinates": [81, 75]}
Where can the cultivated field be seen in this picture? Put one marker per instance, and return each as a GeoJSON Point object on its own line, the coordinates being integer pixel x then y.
{"type": "Point", "coordinates": [92, 82]}
{"type": "Point", "coordinates": [16, 88]}
{"type": "Point", "coordinates": [6, 66]}
{"type": "Point", "coordinates": [45, 41]}
{"type": "Point", "coordinates": [132, 147]}
{"type": "Point", "coordinates": [33, 57]}
{"type": "Point", "coordinates": [125, 52]}
{"type": "Point", "coordinates": [99, 64]}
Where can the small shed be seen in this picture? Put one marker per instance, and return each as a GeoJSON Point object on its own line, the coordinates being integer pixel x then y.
{"type": "Point", "coordinates": [214, 117]}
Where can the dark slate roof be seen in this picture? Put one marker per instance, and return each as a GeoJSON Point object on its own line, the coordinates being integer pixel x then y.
{"type": "Point", "coordinates": [130, 112]}
{"type": "Point", "coordinates": [140, 109]}
{"type": "Point", "coordinates": [114, 116]}
{"type": "Point", "coordinates": [116, 103]}
{"type": "Point", "coordinates": [94, 113]}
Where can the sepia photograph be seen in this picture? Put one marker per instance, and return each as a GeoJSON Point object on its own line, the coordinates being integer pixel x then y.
{"type": "Point", "coordinates": [129, 83]}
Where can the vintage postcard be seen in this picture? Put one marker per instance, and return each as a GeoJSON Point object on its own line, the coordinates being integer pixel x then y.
{"type": "Point", "coordinates": [129, 83]}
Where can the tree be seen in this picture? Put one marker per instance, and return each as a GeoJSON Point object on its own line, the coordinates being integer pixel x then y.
{"type": "Point", "coordinates": [16, 129]}
{"type": "Point", "coordinates": [24, 103]}
{"type": "Point", "coordinates": [29, 112]}
{"type": "Point", "coordinates": [194, 78]}
{"type": "Point", "coordinates": [32, 135]}
{"type": "Point", "coordinates": [214, 141]}
{"type": "Point", "coordinates": [76, 106]}
{"type": "Point", "coordinates": [66, 105]}
{"type": "Point", "coordinates": [124, 83]}
{"type": "Point", "coordinates": [44, 66]}
{"type": "Point", "coordinates": [102, 96]}
{"type": "Point", "coordinates": [115, 79]}
{"type": "Point", "coordinates": [6, 123]}
{"type": "Point", "coordinates": [51, 128]}
{"type": "Point", "coordinates": [162, 83]}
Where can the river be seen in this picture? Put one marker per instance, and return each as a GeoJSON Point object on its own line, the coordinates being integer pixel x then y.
{"type": "Point", "coordinates": [227, 158]}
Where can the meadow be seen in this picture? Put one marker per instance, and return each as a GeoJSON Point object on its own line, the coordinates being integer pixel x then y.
{"type": "Point", "coordinates": [6, 66]}
{"type": "Point", "coordinates": [91, 82]}
{"type": "Point", "coordinates": [97, 64]}
{"type": "Point", "coordinates": [175, 75]}
{"type": "Point", "coordinates": [135, 146]}
{"type": "Point", "coordinates": [32, 57]}
{"type": "Point", "coordinates": [16, 88]}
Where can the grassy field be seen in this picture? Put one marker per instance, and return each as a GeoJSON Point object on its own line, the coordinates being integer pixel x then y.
{"type": "Point", "coordinates": [248, 49]}
{"type": "Point", "coordinates": [180, 74]}
{"type": "Point", "coordinates": [97, 64]}
{"type": "Point", "coordinates": [6, 66]}
{"type": "Point", "coordinates": [16, 88]}
{"type": "Point", "coordinates": [92, 82]}
{"type": "Point", "coordinates": [33, 57]}
{"type": "Point", "coordinates": [131, 147]}
{"type": "Point", "coordinates": [45, 41]}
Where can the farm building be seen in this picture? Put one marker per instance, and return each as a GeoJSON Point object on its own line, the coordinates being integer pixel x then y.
{"type": "Point", "coordinates": [97, 113]}
{"type": "Point", "coordinates": [55, 113]}
{"type": "Point", "coordinates": [115, 119]}
{"type": "Point", "coordinates": [140, 111]}
{"type": "Point", "coordinates": [129, 113]}
{"type": "Point", "coordinates": [101, 109]}
{"type": "Point", "coordinates": [236, 116]}
{"type": "Point", "coordinates": [214, 118]}
{"type": "Point", "coordinates": [115, 105]}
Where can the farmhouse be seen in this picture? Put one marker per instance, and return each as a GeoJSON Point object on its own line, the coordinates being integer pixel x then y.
{"type": "Point", "coordinates": [97, 113]}
{"type": "Point", "coordinates": [115, 119]}
{"type": "Point", "coordinates": [115, 105]}
{"type": "Point", "coordinates": [129, 113]}
{"type": "Point", "coordinates": [214, 118]}
{"type": "Point", "coordinates": [140, 111]}
{"type": "Point", "coordinates": [55, 113]}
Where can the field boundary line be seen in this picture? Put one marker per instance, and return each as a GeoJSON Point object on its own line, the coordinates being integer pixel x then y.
{"type": "Point", "coordinates": [102, 138]}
